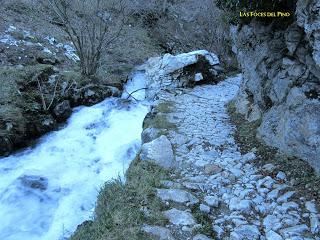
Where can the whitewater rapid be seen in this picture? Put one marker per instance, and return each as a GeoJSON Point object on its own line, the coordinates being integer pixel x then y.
{"type": "Point", "coordinates": [47, 190]}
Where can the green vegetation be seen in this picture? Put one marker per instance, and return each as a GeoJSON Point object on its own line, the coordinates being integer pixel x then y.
{"type": "Point", "coordinates": [159, 119]}
{"type": "Point", "coordinates": [122, 208]}
{"type": "Point", "coordinates": [302, 175]}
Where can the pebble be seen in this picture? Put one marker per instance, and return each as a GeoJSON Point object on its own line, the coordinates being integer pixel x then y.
{"type": "Point", "coordinates": [212, 201]}
{"type": "Point", "coordinates": [281, 176]}
{"type": "Point", "coordinates": [204, 208]}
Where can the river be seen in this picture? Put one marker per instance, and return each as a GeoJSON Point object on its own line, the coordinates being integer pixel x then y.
{"type": "Point", "coordinates": [48, 189]}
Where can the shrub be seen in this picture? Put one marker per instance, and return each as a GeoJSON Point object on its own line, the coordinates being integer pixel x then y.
{"type": "Point", "coordinates": [91, 25]}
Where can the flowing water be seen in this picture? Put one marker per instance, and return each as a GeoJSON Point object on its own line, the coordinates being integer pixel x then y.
{"type": "Point", "coordinates": [47, 190]}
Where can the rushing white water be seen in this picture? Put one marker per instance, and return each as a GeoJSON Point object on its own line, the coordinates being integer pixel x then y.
{"type": "Point", "coordinates": [46, 191]}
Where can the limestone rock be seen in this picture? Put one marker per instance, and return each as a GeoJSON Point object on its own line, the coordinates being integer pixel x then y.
{"type": "Point", "coordinates": [201, 237]}
{"type": "Point", "coordinates": [245, 232]}
{"type": "Point", "coordinates": [178, 217]}
{"type": "Point", "coordinates": [158, 151]}
{"type": "Point", "coordinates": [160, 232]}
{"type": "Point", "coordinates": [176, 195]}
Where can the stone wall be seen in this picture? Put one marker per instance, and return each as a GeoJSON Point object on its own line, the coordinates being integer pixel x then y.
{"type": "Point", "coordinates": [281, 67]}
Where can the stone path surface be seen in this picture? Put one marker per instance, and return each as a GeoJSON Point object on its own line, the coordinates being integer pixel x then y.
{"type": "Point", "coordinates": [240, 200]}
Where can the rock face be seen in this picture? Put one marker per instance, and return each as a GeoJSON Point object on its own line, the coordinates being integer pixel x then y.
{"type": "Point", "coordinates": [281, 68]}
{"type": "Point", "coordinates": [159, 151]}
{"type": "Point", "coordinates": [182, 70]}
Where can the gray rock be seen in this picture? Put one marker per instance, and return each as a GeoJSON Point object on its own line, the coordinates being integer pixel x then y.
{"type": "Point", "coordinates": [285, 197]}
{"type": "Point", "coordinates": [281, 176]}
{"type": "Point", "coordinates": [276, 84]}
{"type": "Point", "coordinates": [204, 208]}
{"type": "Point", "coordinates": [295, 230]}
{"type": "Point", "coordinates": [178, 217]}
{"type": "Point", "coordinates": [160, 232]}
{"type": "Point", "coordinates": [218, 230]}
{"type": "Point", "coordinates": [201, 237]}
{"type": "Point", "coordinates": [176, 195]}
{"type": "Point", "coordinates": [212, 201]}
{"type": "Point", "coordinates": [314, 223]}
{"type": "Point", "coordinates": [158, 151]}
{"type": "Point", "coordinates": [271, 222]}
{"type": "Point", "coordinates": [311, 207]}
{"type": "Point", "coordinates": [271, 235]}
{"type": "Point", "coordinates": [240, 205]}
{"type": "Point", "coordinates": [62, 110]}
{"type": "Point", "coordinates": [245, 232]}
{"type": "Point", "coordinates": [149, 134]}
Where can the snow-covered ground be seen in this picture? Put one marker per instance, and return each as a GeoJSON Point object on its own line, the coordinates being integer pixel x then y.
{"type": "Point", "coordinates": [46, 191]}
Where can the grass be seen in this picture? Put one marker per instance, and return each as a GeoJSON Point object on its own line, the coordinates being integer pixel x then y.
{"type": "Point", "coordinates": [122, 208]}
{"type": "Point", "coordinates": [303, 177]}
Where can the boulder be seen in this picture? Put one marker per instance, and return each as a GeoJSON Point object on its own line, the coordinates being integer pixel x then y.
{"type": "Point", "coordinates": [158, 151]}
{"type": "Point", "coordinates": [186, 69]}
{"type": "Point", "coordinates": [62, 111]}
{"type": "Point", "coordinates": [34, 182]}
{"type": "Point", "coordinates": [92, 94]}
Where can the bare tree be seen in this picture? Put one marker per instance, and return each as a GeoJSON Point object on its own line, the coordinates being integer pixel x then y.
{"type": "Point", "coordinates": [92, 25]}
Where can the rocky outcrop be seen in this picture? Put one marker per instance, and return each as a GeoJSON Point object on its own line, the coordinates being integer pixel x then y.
{"type": "Point", "coordinates": [186, 69]}
{"type": "Point", "coordinates": [281, 66]}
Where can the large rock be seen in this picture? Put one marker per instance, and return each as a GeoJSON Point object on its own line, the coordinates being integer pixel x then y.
{"type": "Point", "coordinates": [281, 81]}
{"type": "Point", "coordinates": [181, 70]}
{"type": "Point", "coordinates": [62, 111]}
{"type": "Point", "coordinates": [178, 217]}
{"type": "Point", "coordinates": [158, 151]}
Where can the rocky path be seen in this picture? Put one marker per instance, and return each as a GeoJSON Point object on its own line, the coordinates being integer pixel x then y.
{"type": "Point", "coordinates": [233, 197]}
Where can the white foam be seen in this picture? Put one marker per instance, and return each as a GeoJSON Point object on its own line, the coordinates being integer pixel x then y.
{"type": "Point", "coordinates": [67, 168]}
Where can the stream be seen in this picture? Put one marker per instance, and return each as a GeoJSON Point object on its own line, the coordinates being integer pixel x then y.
{"type": "Point", "coordinates": [49, 189]}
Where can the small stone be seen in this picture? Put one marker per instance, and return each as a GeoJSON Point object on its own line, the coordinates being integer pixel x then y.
{"type": "Point", "coordinates": [212, 201]}
{"type": "Point", "coordinates": [198, 77]}
{"type": "Point", "coordinates": [218, 230]}
{"type": "Point", "coordinates": [271, 222]}
{"type": "Point", "coordinates": [273, 194]}
{"type": "Point", "coordinates": [281, 176]}
{"type": "Point", "coordinates": [285, 197]}
{"type": "Point", "coordinates": [178, 217]}
{"type": "Point", "coordinates": [314, 223]}
{"type": "Point", "coordinates": [240, 205]}
{"type": "Point", "coordinates": [245, 232]}
{"type": "Point", "coordinates": [271, 235]}
{"type": "Point", "coordinates": [204, 208]}
{"type": "Point", "coordinates": [201, 237]}
{"type": "Point", "coordinates": [160, 232]}
{"type": "Point", "coordinates": [268, 167]}
{"type": "Point", "coordinates": [211, 169]}
{"type": "Point", "coordinates": [311, 207]}
{"type": "Point", "coordinates": [176, 195]}
{"type": "Point", "coordinates": [295, 230]}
